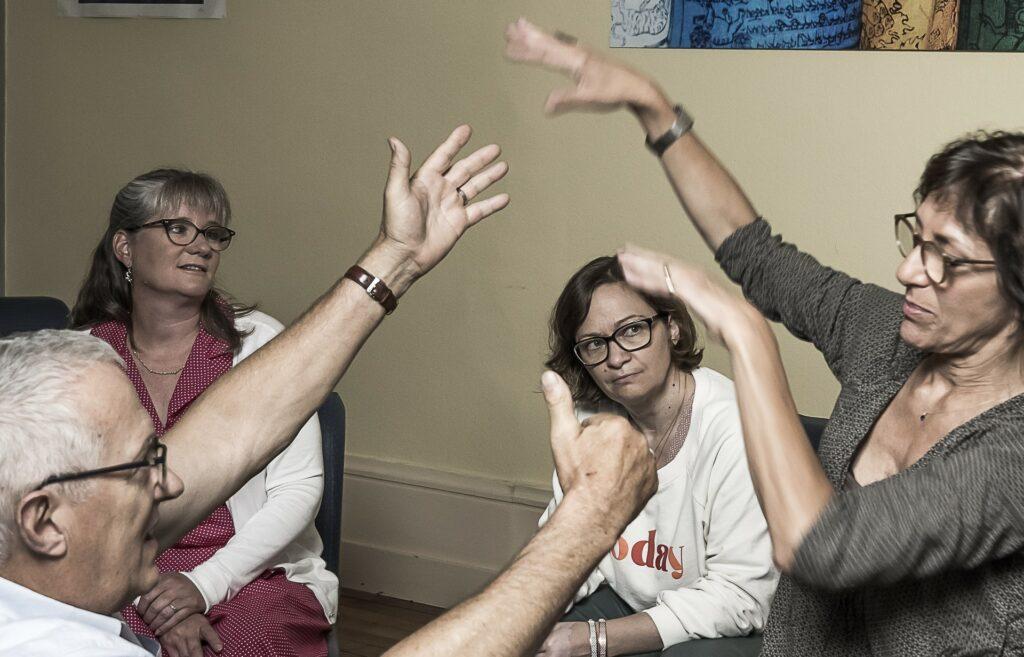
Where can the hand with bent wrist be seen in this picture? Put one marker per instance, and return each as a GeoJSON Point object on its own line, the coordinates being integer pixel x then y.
{"type": "Point", "coordinates": [426, 213]}
{"type": "Point", "coordinates": [600, 84]}
{"type": "Point", "coordinates": [604, 465]}
{"type": "Point", "coordinates": [729, 318]}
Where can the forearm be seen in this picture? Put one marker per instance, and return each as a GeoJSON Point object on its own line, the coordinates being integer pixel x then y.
{"type": "Point", "coordinates": [708, 193]}
{"type": "Point", "coordinates": [513, 614]}
{"type": "Point", "coordinates": [788, 479]}
{"type": "Point", "coordinates": [244, 419]}
{"type": "Point", "coordinates": [633, 634]}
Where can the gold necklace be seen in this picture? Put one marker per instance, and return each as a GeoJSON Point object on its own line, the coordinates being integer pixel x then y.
{"type": "Point", "coordinates": [131, 345]}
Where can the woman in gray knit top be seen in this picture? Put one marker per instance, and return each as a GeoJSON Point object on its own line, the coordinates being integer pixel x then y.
{"type": "Point", "coordinates": [904, 535]}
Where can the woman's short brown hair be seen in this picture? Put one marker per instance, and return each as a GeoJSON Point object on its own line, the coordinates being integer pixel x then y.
{"type": "Point", "coordinates": [571, 309]}
{"type": "Point", "coordinates": [981, 178]}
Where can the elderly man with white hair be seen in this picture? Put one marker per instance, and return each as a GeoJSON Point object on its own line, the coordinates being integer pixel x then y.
{"type": "Point", "coordinates": [88, 495]}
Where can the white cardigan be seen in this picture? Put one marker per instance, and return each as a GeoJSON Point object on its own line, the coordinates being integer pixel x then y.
{"type": "Point", "coordinates": [697, 559]}
{"type": "Point", "coordinates": [273, 512]}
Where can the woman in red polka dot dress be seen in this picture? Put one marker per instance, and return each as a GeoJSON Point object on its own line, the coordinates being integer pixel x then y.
{"type": "Point", "coordinates": [249, 580]}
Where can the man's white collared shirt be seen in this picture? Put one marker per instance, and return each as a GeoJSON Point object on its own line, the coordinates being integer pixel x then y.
{"type": "Point", "coordinates": [33, 625]}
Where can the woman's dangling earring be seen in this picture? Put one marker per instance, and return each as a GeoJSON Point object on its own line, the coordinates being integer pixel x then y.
{"type": "Point", "coordinates": [128, 275]}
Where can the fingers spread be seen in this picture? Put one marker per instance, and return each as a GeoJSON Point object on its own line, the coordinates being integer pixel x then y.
{"type": "Point", "coordinates": [485, 208]}
{"type": "Point", "coordinates": [441, 159]}
{"type": "Point", "coordinates": [525, 42]}
{"type": "Point", "coordinates": [481, 181]}
{"type": "Point", "coordinates": [470, 165]}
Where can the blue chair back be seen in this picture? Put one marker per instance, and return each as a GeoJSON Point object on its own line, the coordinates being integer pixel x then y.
{"type": "Point", "coordinates": [328, 520]}
{"type": "Point", "coordinates": [19, 314]}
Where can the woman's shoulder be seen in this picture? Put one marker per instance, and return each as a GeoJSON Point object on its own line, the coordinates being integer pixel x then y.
{"type": "Point", "coordinates": [258, 323]}
{"type": "Point", "coordinates": [257, 328]}
{"type": "Point", "coordinates": [719, 410]}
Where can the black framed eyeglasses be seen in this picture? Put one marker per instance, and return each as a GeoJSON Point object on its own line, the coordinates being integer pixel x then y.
{"type": "Point", "coordinates": [634, 336]}
{"type": "Point", "coordinates": [936, 263]}
{"type": "Point", "coordinates": [157, 457]}
{"type": "Point", "coordinates": [183, 232]}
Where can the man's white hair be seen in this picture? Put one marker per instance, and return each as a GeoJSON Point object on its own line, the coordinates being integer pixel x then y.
{"type": "Point", "coordinates": [42, 431]}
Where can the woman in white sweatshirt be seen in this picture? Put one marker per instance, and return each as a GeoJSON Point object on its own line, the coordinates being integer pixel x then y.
{"type": "Point", "coordinates": [692, 574]}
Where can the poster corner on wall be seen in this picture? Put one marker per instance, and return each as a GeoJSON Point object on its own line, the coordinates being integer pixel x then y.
{"type": "Point", "coordinates": [922, 25]}
{"type": "Point", "coordinates": [142, 8]}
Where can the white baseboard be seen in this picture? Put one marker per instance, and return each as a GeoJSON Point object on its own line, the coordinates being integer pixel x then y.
{"type": "Point", "coordinates": [430, 535]}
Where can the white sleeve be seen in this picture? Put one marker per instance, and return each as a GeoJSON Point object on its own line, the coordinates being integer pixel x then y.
{"type": "Point", "coordinates": [595, 579]}
{"type": "Point", "coordinates": [295, 484]}
{"type": "Point", "coordinates": [732, 598]}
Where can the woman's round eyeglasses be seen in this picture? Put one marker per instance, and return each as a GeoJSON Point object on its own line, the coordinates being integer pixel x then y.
{"type": "Point", "coordinates": [936, 263]}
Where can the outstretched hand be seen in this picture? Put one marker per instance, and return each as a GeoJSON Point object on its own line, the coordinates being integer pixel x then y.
{"type": "Point", "coordinates": [725, 315]}
{"type": "Point", "coordinates": [424, 213]}
{"type": "Point", "coordinates": [599, 84]}
{"type": "Point", "coordinates": [605, 457]}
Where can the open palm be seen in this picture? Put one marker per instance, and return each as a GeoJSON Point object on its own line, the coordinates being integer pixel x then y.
{"type": "Point", "coordinates": [425, 214]}
{"type": "Point", "coordinates": [600, 84]}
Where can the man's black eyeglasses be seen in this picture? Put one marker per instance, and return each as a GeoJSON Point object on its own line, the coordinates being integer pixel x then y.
{"type": "Point", "coordinates": [157, 457]}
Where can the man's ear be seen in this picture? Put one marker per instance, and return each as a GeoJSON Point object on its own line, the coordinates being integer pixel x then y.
{"type": "Point", "coordinates": [40, 531]}
{"type": "Point", "coordinates": [122, 248]}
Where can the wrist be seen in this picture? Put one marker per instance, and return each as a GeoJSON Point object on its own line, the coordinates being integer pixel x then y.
{"type": "Point", "coordinates": [579, 639]}
{"type": "Point", "coordinates": [387, 262]}
{"type": "Point", "coordinates": [593, 510]}
{"type": "Point", "coordinates": [654, 110]}
{"type": "Point", "coordinates": [749, 337]}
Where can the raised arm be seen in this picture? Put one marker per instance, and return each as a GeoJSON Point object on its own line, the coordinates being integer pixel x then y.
{"type": "Point", "coordinates": [788, 479]}
{"type": "Point", "coordinates": [710, 196]}
{"type": "Point", "coordinates": [608, 475]}
{"type": "Point", "coordinates": [242, 421]}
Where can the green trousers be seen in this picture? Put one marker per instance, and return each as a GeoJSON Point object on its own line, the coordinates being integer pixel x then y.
{"type": "Point", "coordinates": [605, 603]}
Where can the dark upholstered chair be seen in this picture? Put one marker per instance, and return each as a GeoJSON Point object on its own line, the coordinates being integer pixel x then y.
{"type": "Point", "coordinates": [19, 314]}
{"type": "Point", "coordinates": [328, 520]}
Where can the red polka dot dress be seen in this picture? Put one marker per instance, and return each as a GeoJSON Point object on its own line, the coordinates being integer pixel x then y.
{"type": "Point", "coordinates": [269, 617]}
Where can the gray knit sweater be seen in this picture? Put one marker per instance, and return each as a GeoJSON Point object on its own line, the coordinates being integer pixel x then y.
{"type": "Point", "coordinates": [927, 562]}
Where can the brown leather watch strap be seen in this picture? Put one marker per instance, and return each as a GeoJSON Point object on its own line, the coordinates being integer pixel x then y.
{"type": "Point", "coordinates": [376, 288]}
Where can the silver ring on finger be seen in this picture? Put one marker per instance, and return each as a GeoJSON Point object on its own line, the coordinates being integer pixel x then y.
{"type": "Point", "coordinates": [462, 195]}
{"type": "Point", "coordinates": [173, 608]}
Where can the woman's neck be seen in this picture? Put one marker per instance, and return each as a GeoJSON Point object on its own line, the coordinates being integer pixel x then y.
{"type": "Point", "coordinates": [656, 414]}
{"type": "Point", "coordinates": [995, 370]}
{"type": "Point", "coordinates": [162, 324]}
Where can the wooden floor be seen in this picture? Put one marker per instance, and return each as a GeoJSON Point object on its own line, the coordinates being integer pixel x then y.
{"type": "Point", "coordinates": [370, 624]}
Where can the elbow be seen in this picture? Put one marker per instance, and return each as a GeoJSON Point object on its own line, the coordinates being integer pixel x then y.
{"type": "Point", "coordinates": [784, 549]}
{"type": "Point", "coordinates": [783, 559]}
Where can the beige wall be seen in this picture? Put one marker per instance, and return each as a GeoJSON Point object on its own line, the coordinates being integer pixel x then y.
{"type": "Point", "coordinates": [289, 103]}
